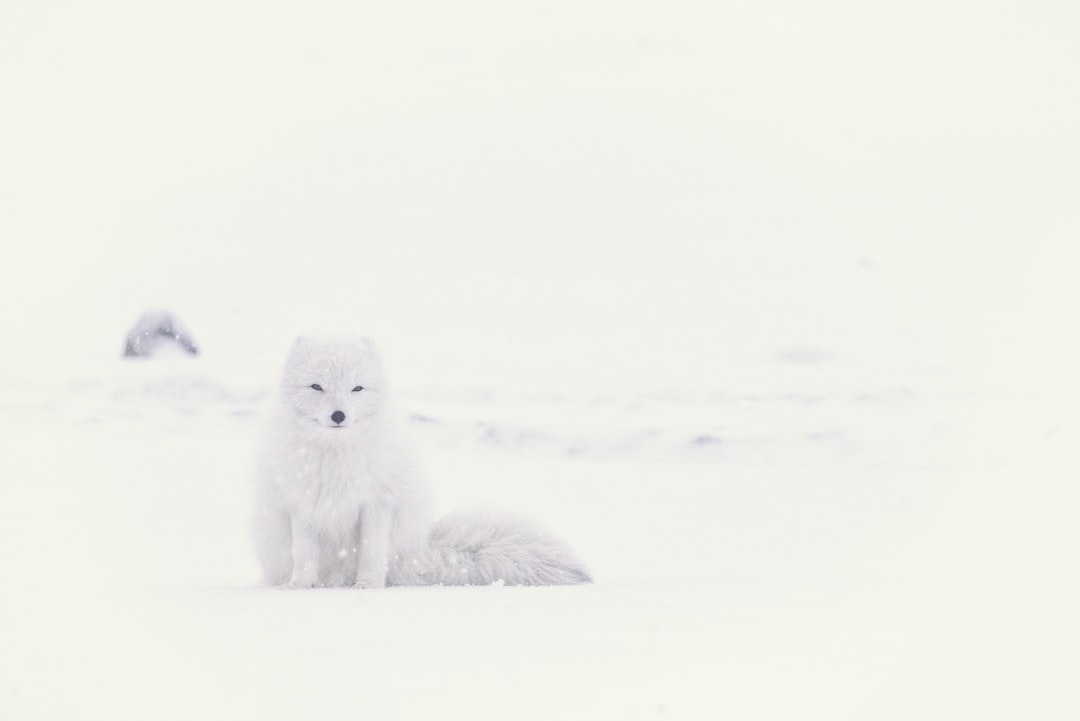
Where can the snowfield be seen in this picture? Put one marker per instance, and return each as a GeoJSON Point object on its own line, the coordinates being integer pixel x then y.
{"type": "Point", "coordinates": [769, 312]}
{"type": "Point", "coordinates": [818, 554]}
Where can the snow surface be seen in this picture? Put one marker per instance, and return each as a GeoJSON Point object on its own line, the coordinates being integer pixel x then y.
{"type": "Point", "coordinates": [769, 311]}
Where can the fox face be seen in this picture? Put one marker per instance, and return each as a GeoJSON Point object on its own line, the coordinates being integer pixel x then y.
{"type": "Point", "coordinates": [334, 383]}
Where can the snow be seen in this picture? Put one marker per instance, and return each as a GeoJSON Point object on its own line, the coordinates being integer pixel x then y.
{"type": "Point", "coordinates": [769, 312]}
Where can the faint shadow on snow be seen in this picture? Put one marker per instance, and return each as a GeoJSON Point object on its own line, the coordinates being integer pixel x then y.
{"type": "Point", "coordinates": [706, 440]}
{"type": "Point", "coordinates": [165, 390]}
{"type": "Point", "coordinates": [780, 420]}
{"type": "Point", "coordinates": [803, 355]}
{"type": "Point", "coordinates": [780, 413]}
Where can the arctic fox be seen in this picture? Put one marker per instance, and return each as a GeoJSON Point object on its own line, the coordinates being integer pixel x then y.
{"type": "Point", "coordinates": [339, 501]}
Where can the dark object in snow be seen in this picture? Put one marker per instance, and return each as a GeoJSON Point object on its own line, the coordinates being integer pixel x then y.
{"type": "Point", "coordinates": [155, 330]}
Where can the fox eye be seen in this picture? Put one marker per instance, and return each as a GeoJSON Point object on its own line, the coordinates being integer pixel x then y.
{"type": "Point", "coordinates": [315, 387]}
{"type": "Point", "coordinates": [357, 389]}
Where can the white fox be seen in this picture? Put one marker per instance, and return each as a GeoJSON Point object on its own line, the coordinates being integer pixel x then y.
{"type": "Point", "coordinates": [340, 502]}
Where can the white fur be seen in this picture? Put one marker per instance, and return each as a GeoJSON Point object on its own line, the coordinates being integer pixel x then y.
{"type": "Point", "coordinates": [342, 503]}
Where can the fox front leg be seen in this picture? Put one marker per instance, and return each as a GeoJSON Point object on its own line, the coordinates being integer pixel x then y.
{"type": "Point", "coordinates": [305, 553]}
{"type": "Point", "coordinates": [374, 555]}
{"type": "Point", "coordinates": [273, 543]}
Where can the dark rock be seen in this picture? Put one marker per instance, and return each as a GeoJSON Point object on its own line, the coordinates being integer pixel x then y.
{"type": "Point", "coordinates": [157, 330]}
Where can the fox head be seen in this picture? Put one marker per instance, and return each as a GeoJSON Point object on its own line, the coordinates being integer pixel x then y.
{"type": "Point", "coordinates": [334, 384]}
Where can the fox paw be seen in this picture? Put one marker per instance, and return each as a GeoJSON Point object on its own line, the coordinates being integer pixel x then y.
{"type": "Point", "coordinates": [370, 581]}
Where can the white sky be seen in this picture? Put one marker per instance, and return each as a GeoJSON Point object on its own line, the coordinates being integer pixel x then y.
{"type": "Point", "coordinates": [686, 174]}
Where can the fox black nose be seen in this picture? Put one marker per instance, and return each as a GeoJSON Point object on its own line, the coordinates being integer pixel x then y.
{"type": "Point", "coordinates": [337, 416]}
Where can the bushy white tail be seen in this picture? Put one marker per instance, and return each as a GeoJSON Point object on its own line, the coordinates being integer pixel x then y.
{"type": "Point", "coordinates": [479, 549]}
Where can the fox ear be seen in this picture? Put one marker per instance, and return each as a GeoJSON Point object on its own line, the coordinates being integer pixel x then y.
{"type": "Point", "coordinates": [300, 347]}
{"type": "Point", "coordinates": [370, 348]}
